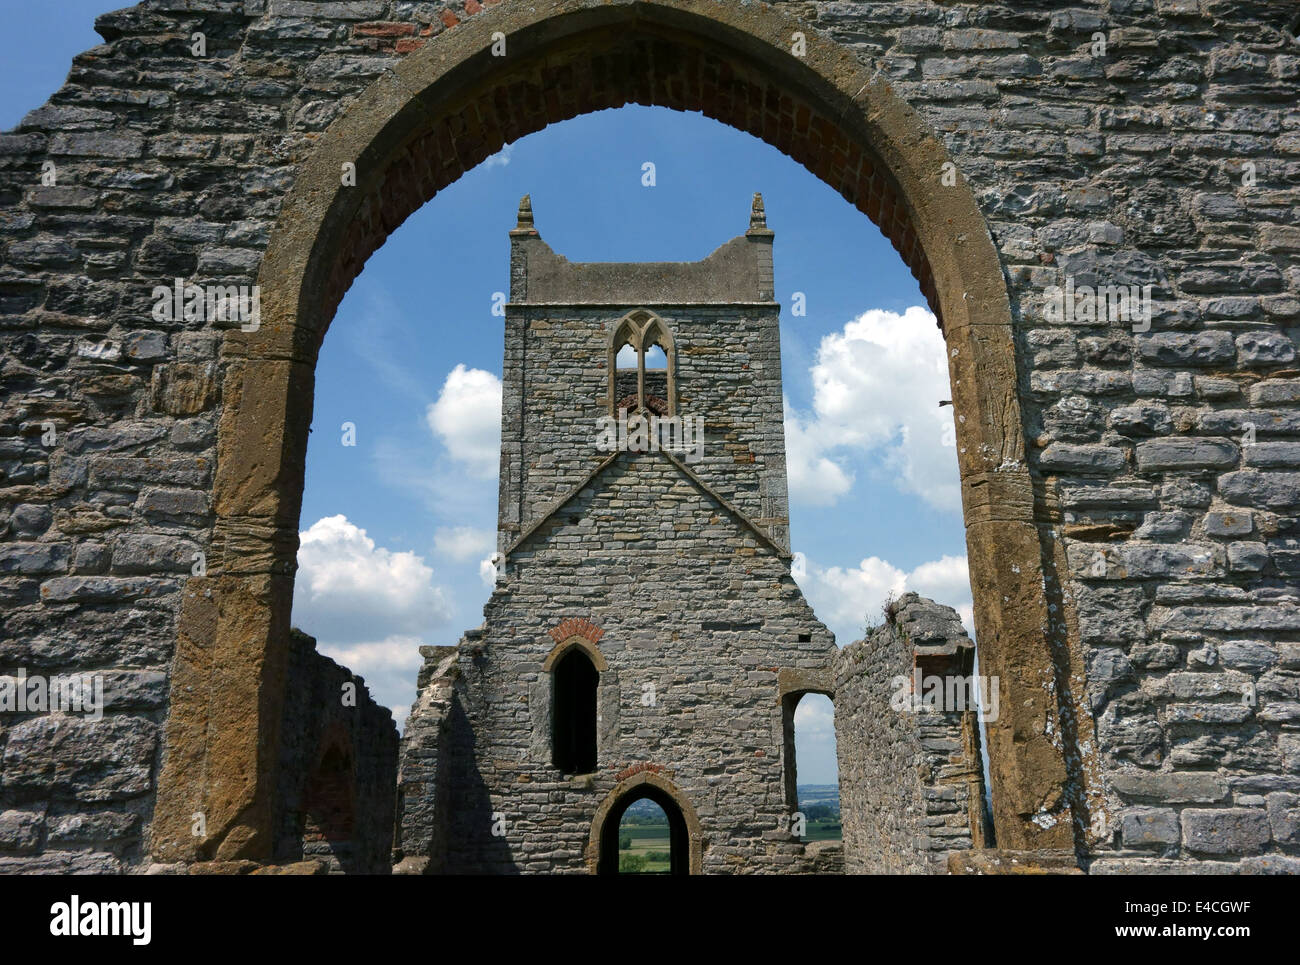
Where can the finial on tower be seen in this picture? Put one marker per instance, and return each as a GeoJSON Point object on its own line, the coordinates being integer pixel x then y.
{"type": "Point", "coordinates": [524, 228]}
{"type": "Point", "coordinates": [758, 219]}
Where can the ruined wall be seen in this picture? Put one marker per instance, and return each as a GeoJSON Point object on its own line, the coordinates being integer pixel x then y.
{"type": "Point", "coordinates": [338, 767]}
{"type": "Point", "coordinates": [424, 779]}
{"type": "Point", "coordinates": [680, 597]}
{"type": "Point", "coordinates": [911, 784]}
{"type": "Point", "coordinates": [1165, 461]}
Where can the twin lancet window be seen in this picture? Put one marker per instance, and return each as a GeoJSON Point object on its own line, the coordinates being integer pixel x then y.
{"type": "Point", "coordinates": [641, 365]}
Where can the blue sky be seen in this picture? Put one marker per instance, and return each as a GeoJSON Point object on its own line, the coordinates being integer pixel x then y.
{"type": "Point", "coordinates": [396, 526]}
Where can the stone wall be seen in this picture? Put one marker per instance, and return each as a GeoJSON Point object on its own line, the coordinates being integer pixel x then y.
{"type": "Point", "coordinates": [338, 768]}
{"type": "Point", "coordinates": [692, 608]}
{"type": "Point", "coordinates": [727, 370]}
{"type": "Point", "coordinates": [911, 782]}
{"type": "Point", "coordinates": [424, 780]}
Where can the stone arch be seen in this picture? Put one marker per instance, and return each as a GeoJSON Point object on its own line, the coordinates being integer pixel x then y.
{"type": "Point", "coordinates": [642, 329]}
{"type": "Point", "coordinates": [646, 783]}
{"type": "Point", "coordinates": [588, 646]}
{"type": "Point", "coordinates": [448, 106]}
{"type": "Point", "coordinates": [329, 807]}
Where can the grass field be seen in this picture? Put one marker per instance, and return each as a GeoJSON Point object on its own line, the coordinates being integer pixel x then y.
{"type": "Point", "coordinates": [822, 831]}
{"type": "Point", "coordinates": [646, 838]}
{"type": "Point", "coordinates": [650, 839]}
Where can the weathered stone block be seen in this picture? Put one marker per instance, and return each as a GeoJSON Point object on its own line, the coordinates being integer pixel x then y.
{"type": "Point", "coordinates": [1149, 827]}
{"type": "Point", "coordinates": [34, 558]}
{"type": "Point", "coordinates": [1158, 454]}
{"type": "Point", "coordinates": [1226, 831]}
{"type": "Point", "coordinates": [89, 760]}
{"type": "Point", "coordinates": [1190, 787]}
{"type": "Point", "coordinates": [183, 388]}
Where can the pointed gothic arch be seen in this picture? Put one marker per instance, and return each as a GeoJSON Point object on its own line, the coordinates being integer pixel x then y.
{"type": "Point", "coordinates": [641, 330]}
{"type": "Point", "coordinates": [686, 839]}
{"type": "Point", "coordinates": [445, 108]}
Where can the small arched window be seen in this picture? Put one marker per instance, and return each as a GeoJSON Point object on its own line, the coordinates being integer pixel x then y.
{"type": "Point", "coordinates": [641, 363]}
{"type": "Point", "coordinates": [573, 712]}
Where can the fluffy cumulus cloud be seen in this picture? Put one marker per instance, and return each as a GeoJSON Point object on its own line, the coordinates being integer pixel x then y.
{"type": "Point", "coordinates": [368, 607]}
{"type": "Point", "coordinates": [467, 419]}
{"type": "Point", "coordinates": [876, 391]}
{"type": "Point", "coordinates": [846, 599]}
{"type": "Point", "coordinates": [813, 478]}
{"type": "Point", "coordinates": [461, 543]}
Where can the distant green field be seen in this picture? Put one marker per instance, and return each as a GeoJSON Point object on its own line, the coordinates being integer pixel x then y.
{"type": "Point", "coordinates": [647, 827]}
{"type": "Point", "coordinates": [647, 840]}
{"type": "Point", "coordinates": [823, 831]}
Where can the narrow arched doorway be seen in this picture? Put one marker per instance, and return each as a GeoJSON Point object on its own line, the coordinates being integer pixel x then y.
{"type": "Point", "coordinates": [678, 836]}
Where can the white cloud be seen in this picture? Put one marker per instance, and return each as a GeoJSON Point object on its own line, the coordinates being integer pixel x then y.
{"type": "Point", "coordinates": [389, 666]}
{"type": "Point", "coordinates": [487, 570]}
{"type": "Point", "coordinates": [876, 391]}
{"type": "Point", "coordinates": [500, 159]}
{"type": "Point", "coordinates": [463, 542]}
{"type": "Point", "coordinates": [813, 478]}
{"type": "Point", "coordinates": [845, 599]}
{"type": "Point", "coordinates": [368, 607]}
{"type": "Point", "coordinates": [467, 418]}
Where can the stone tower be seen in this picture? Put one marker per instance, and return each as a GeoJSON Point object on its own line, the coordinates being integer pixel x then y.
{"type": "Point", "coordinates": [645, 638]}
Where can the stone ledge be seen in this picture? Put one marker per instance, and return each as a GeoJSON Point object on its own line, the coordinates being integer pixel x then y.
{"type": "Point", "coordinates": [993, 861]}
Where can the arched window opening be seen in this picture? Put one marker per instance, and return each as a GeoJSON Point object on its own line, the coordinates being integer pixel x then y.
{"type": "Point", "coordinates": [329, 810]}
{"type": "Point", "coordinates": [642, 366]}
{"type": "Point", "coordinates": [655, 379]}
{"type": "Point", "coordinates": [573, 713]}
{"type": "Point", "coordinates": [813, 797]}
{"type": "Point", "coordinates": [649, 821]}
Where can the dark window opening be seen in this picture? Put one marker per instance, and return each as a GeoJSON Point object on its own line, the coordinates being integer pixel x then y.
{"type": "Point", "coordinates": [328, 799]}
{"type": "Point", "coordinates": [573, 713]}
{"type": "Point", "coordinates": [673, 857]}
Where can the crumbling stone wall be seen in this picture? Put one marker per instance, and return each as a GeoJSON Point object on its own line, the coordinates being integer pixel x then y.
{"type": "Point", "coordinates": [338, 767]}
{"type": "Point", "coordinates": [685, 596]}
{"type": "Point", "coordinates": [424, 781]}
{"type": "Point", "coordinates": [911, 783]}
{"type": "Point", "coordinates": [1160, 465]}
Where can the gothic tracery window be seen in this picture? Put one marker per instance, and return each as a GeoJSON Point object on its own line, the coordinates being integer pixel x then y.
{"type": "Point", "coordinates": [641, 364]}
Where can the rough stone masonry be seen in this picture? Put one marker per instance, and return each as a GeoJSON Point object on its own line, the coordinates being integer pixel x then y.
{"type": "Point", "coordinates": [1098, 199]}
{"type": "Point", "coordinates": [669, 577]}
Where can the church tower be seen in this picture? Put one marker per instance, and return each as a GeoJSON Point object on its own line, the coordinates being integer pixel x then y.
{"type": "Point", "coordinates": [645, 637]}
